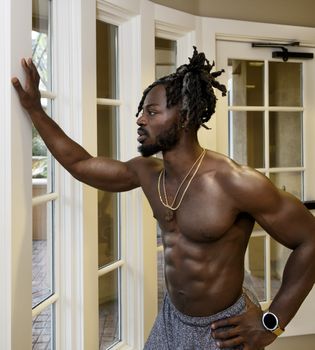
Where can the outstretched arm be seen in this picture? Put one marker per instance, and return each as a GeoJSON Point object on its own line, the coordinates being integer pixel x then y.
{"type": "Point", "coordinates": [100, 172]}
{"type": "Point", "coordinates": [287, 220]}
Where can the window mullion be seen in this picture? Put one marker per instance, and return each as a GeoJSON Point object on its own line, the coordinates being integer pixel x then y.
{"type": "Point", "coordinates": [44, 304]}
{"type": "Point", "coordinates": [108, 102]}
{"type": "Point", "coordinates": [48, 94]}
{"type": "Point", "coordinates": [45, 198]}
{"type": "Point", "coordinates": [109, 268]}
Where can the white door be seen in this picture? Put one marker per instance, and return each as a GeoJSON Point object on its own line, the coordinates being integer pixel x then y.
{"type": "Point", "coordinates": [265, 122]}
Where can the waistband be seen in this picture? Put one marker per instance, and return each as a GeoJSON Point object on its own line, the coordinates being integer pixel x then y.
{"type": "Point", "coordinates": [237, 308]}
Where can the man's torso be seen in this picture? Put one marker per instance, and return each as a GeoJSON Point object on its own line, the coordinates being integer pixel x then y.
{"type": "Point", "coordinates": [205, 242]}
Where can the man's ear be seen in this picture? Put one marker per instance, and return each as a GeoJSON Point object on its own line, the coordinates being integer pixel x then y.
{"type": "Point", "coordinates": [184, 122]}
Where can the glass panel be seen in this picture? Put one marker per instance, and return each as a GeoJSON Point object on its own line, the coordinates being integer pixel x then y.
{"type": "Point", "coordinates": [42, 161]}
{"type": "Point", "coordinates": [278, 255]}
{"type": "Point", "coordinates": [42, 258]}
{"type": "Point", "coordinates": [108, 214]}
{"type": "Point", "coordinates": [291, 182]}
{"type": "Point", "coordinates": [41, 41]}
{"type": "Point", "coordinates": [107, 60]}
{"type": "Point", "coordinates": [245, 83]}
{"type": "Point", "coordinates": [109, 309]}
{"type": "Point", "coordinates": [256, 266]}
{"type": "Point", "coordinates": [285, 129]}
{"type": "Point", "coordinates": [42, 330]}
{"type": "Point", "coordinates": [247, 138]}
{"type": "Point", "coordinates": [285, 84]}
{"type": "Point", "coordinates": [165, 57]}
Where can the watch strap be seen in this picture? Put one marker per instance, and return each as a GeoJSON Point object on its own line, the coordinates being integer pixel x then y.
{"type": "Point", "coordinates": [278, 331]}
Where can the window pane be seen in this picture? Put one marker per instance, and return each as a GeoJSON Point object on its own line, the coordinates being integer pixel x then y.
{"type": "Point", "coordinates": [245, 83]}
{"type": "Point", "coordinates": [291, 182]}
{"type": "Point", "coordinates": [106, 55]}
{"type": "Point", "coordinates": [257, 269]}
{"type": "Point", "coordinates": [42, 258]}
{"type": "Point", "coordinates": [109, 309]}
{"type": "Point", "coordinates": [285, 84]}
{"type": "Point", "coordinates": [42, 160]}
{"type": "Point", "coordinates": [108, 214]}
{"type": "Point", "coordinates": [247, 138]}
{"type": "Point", "coordinates": [285, 129]}
{"type": "Point", "coordinates": [42, 330]}
{"type": "Point", "coordinates": [165, 57]}
{"type": "Point", "coordinates": [41, 41]}
{"type": "Point", "coordinates": [279, 255]}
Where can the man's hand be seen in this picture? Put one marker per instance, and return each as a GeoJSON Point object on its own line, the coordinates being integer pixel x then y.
{"type": "Point", "coordinates": [30, 96]}
{"type": "Point", "coordinates": [245, 331]}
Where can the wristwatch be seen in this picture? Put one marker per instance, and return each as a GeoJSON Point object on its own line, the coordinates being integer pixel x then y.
{"type": "Point", "coordinates": [271, 323]}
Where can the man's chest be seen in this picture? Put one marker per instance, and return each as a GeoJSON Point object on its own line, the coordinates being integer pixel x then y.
{"type": "Point", "coordinates": [204, 212]}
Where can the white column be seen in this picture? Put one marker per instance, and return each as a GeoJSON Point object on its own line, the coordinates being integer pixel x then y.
{"type": "Point", "coordinates": [15, 182]}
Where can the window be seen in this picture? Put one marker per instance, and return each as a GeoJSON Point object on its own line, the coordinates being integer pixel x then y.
{"type": "Point", "coordinates": [43, 190]}
{"type": "Point", "coordinates": [265, 123]}
{"type": "Point", "coordinates": [108, 203]}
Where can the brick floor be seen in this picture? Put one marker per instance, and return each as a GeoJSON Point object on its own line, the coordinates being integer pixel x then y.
{"type": "Point", "coordinates": [42, 323]}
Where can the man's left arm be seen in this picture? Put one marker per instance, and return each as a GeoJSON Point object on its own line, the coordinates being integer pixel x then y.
{"type": "Point", "coordinates": [287, 220]}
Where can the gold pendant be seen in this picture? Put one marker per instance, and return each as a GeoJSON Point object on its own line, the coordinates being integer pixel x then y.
{"type": "Point", "coordinates": [169, 216]}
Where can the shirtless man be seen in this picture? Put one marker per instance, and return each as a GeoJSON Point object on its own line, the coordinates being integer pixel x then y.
{"type": "Point", "coordinates": [205, 204]}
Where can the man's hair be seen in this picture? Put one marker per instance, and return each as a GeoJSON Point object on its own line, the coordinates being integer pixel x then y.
{"type": "Point", "coordinates": [191, 86]}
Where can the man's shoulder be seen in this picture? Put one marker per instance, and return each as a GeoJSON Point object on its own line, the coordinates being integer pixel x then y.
{"type": "Point", "coordinates": [241, 182]}
{"type": "Point", "coordinates": [143, 166]}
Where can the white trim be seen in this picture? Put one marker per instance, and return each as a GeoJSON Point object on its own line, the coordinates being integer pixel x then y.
{"type": "Point", "coordinates": [169, 31]}
{"type": "Point", "coordinates": [116, 12]}
{"type": "Point", "coordinates": [15, 182]}
{"type": "Point", "coordinates": [5, 177]}
{"type": "Point", "coordinates": [248, 38]}
{"type": "Point", "coordinates": [44, 304]}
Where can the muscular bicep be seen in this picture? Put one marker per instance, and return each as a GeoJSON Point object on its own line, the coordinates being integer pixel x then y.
{"type": "Point", "coordinates": [281, 214]}
{"type": "Point", "coordinates": [107, 174]}
{"type": "Point", "coordinates": [286, 220]}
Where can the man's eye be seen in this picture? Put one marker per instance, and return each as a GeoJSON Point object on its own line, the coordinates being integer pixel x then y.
{"type": "Point", "coordinates": [151, 113]}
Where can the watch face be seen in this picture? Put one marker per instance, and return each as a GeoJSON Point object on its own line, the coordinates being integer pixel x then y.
{"type": "Point", "coordinates": [270, 321]}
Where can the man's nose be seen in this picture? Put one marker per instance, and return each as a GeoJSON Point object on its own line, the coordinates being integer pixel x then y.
{"type": "Point", "coordinates": [141, 120]}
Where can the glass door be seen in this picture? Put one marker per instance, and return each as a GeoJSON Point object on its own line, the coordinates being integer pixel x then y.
{"type": "Point", "coordinates": [262, 124]}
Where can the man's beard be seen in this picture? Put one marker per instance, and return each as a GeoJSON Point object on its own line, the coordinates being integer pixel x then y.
{"type": "Point", "coordinates": [164, 142]}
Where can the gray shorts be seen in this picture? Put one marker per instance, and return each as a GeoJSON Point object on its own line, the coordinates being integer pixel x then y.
{"type": "Point", "coordinates": [174, 330]}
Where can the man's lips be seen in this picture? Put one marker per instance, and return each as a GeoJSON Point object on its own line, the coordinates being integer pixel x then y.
{"type": "Point", "coordinates": [142, 135]}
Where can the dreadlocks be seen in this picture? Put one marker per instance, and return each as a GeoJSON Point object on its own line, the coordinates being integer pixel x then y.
{"type": "Point", "coordinates": [192, 86]}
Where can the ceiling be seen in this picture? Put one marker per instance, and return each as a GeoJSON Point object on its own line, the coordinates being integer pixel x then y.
{"type": "Point", "coordinates": [291, 12]}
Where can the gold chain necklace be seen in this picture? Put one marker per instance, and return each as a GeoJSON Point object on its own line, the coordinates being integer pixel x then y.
{"type": "Point", "coordinates": [172, 208]}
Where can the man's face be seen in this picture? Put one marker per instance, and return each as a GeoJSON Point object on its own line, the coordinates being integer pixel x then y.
{"type": "Point", "coordinates": [159, 129]}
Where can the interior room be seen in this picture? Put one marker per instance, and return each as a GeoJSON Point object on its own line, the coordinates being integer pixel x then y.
{"type": "Point", "coordinates": [83, 269]}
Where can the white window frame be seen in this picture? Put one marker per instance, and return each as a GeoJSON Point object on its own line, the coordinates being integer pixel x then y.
{"type": "Point", "coordinates": [124, 15]}
{"type": "Point", "coordinates": [15, 182]}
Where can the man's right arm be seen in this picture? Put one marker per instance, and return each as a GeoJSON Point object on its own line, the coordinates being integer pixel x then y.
{"type": "Point", "coordinates": [100, 172]}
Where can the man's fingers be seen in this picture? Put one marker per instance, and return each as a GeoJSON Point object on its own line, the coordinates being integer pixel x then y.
{"type": "Point", "coordinates": [230, 321]}
{"type": "Point", "coordinates": [221, 334]}
{"type": "Point", "coordinates": [34, 70]}
{"type": "Point", "coordinates": [231, 343]}
{"type": "Point", "coordinates": [17, 85]}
